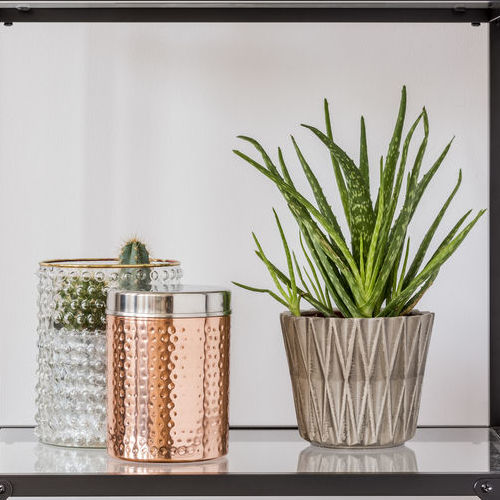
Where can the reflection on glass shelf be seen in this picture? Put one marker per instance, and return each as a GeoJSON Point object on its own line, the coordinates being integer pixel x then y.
{"type": "Point", "coordinates": [399, 459]}
{"type": "Point", "coordinates": [433, 450]}
{"type": "Point", "coordinates": [116, 466]}
{"type": "Point", "coordinates": [63, 460]}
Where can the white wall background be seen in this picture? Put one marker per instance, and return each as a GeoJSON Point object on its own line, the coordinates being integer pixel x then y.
{"type": "Point", "coordinates": [113, 130]}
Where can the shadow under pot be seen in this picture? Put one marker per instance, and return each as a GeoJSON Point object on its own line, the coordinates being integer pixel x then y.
{"type": "Point", "coordinates": [357, 381]}
{"type": "Point", "coordinates": [71, 386]}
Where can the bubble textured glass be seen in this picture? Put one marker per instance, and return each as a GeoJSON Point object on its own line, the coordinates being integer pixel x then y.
{"type": "Point", "coordinates": [71, 386]}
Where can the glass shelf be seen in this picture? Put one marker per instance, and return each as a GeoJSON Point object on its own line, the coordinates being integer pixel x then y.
{"type": "Point", "coordinates": [433, 450]}
{"type": "Point", "coordinates": [440, 461]}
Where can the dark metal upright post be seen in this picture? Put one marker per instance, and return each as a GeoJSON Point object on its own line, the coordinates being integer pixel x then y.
{"type": "Point", "coordinates": [495, 223]}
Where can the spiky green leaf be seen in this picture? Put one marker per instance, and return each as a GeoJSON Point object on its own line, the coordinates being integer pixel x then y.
{"type": "Point", "coordinates": [362, 218]}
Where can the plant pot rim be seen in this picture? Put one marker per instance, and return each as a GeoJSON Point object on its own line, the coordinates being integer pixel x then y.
{"type": "Point", "coordinates": [312, 314]}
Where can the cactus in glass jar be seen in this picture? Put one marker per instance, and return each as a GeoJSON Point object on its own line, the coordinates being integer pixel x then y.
{"type": "Point", "coordinates": [82, 299]}
{"type": "Point", "coordinates": [135, 252]}
{"type": "Point", "coordinates": [82, 303]}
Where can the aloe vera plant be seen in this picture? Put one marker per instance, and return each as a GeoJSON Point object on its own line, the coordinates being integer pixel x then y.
{"type": "Point", "coordinates": [372, 274]}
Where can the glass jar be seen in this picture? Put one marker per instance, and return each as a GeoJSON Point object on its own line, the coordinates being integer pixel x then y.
{"type": "Point", "coordinates": [71, 386]}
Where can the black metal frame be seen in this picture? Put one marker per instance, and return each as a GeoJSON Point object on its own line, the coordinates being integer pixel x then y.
{"type": "Point", "coordinates": [433, 11]}
{"type": "Point", "coordinates": [494, 228]}
{"type": "Point", "coordinates": [481, 485]}
{"type": "Point", "coordinates": [257, 14]}
{"type": "Point", "coordinates": [288, 485]}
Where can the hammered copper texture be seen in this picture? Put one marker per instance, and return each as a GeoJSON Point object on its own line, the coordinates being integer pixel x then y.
{"type": "Point", "coordinates": [168, 384]}
{"type": "Point", "coordinates": [357, 381]}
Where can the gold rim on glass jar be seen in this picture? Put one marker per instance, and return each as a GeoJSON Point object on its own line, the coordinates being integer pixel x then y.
{"type": "Point", "coordinates": [105, 263]}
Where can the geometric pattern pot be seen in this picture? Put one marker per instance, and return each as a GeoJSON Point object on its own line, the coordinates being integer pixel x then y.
{"type": "Point", "coordinates": [357, 381]}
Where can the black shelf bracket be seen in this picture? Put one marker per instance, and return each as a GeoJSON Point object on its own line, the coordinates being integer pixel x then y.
{"type": "Point", "coordinates": [487, 489]}
{"type": "Point", "coordinates": [5, 489]}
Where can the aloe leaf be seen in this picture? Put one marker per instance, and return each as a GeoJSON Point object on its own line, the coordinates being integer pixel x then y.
{"type": "Point", "coordinates": [394, 199]}
{"type": "Point", "coordinates": [386, 231]}
{"type": "Point", "coordinates": [447, 239]}
{"type": "Point", "coordinates": [392, 255]}
{"type": "Point", "coordinates": [299, 273]}
{"type": "Point", "coordinates": [422, 249]}
{"type": "Point", "coordinates": [320, 197]}
{"type": "Point", "coordinates": [311, 267]}
{"type": "Point", "coordinates": [315, 256]}
{"type": "Point", "coordinates": [328, 259]}
{"type": "Point", "coordinates": [370, 260]}
{"type": "Point", "coordinates": [402, 166]}
{"type": "Point", "coordinates": [318, 293]}
{"type": "Point", "coordinates": [364, 167]}
{"type": "Point", "coordinates": [335, 286]}
{"type": "Point", "coordinates": [422, 185]}
{"type": "Point", "coordinates": [261, 290]}
{"type": "Point", "coordinates": [452, 232]}
{"type": "Point", "coordinates": [267, 160]}
{"type": "Point", "coordinates": [412, 200]}
{"type": "Point", "coordinates": [321, 242]}
{"type": "Point", "coordinates": [414, 192]}
{"type": "Point", "coordinates": [432, 266]}
{"type": "Point", "coordinates": [339, 178]}
{"type": "Point", "coordinates": [317, 290]}
{"type": "Point", "coordinates": [393, 151]}
{"type": "Point", "coordinates": [266, 261]}
{"type": "Point", "coordinates": [410, 305]}
{"type": "Point", "coordinates": [403, 270]}
{"type": "Point", "coordinates": [306, 296]}
{"type": "Point", "coordinates": [309, 261]}
{"type": "Point", "coordinates": [287, 253]}
{"type": "Point", "coordinates": [270, 165]}
{"type": "Point", "coordinates": [362, 218]}
{"type": "Point", "coordinates": [361, 260]}
{"type": "Point", "coordinates": [309, 207]}
{"type": "Point", "coordinates": [327, 297]}
{"type": "Point", "coordinates": [331, 277]}
{"type": "Point", "coordinates": [415, 171]}
{"type": "Point", "coordinates": [284, 169]}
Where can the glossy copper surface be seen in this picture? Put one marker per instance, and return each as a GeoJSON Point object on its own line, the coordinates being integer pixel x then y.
{"type": "Point", "coordinates": [168, 388]}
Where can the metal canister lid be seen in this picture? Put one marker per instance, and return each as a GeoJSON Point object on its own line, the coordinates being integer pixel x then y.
{"type": "Point", "coordinates": [178, 301]}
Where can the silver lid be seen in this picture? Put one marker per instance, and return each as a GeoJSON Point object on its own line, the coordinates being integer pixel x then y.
{"type": "Point", "coordinates": [179, 301]}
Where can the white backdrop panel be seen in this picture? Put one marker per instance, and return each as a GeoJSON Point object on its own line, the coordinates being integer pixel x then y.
{"type": "Point", "coordinates": [113, 130]}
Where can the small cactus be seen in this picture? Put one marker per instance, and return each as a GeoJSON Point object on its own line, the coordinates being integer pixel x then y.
{"type": "Point", "coordinates": [135, 252]}
{"type": "Point", "coordinates": [82, 304]}
{"type": "Point", "coordinates": [82, 300]}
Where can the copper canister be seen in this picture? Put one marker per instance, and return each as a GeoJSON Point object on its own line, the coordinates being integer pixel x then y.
{"type": "Point", "coordinates": [168, 374]}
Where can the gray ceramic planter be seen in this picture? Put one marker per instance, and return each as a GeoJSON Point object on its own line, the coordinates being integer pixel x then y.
{"type": "Point", "coordinates": [357, 381]}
